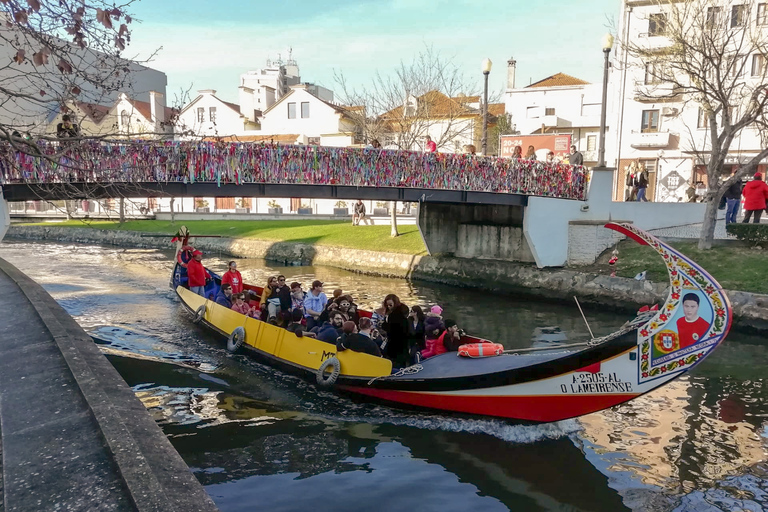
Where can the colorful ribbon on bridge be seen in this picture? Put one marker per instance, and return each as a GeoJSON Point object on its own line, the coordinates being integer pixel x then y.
{"type": "Point", "coordinates": [266, 163]}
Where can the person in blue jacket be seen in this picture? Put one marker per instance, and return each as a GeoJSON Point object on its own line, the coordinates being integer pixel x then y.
{"type": "Point", "coordinates": [224, 296]}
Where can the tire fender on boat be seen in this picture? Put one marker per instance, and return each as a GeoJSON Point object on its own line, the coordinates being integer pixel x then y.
{"type": "Point", "coordinates": [327, 380]}
{"type": "Point", "coordinates": [481, 350]}
{"type": "Point", "coordinates": [199, 314]}
{"type": "Point", "coordinates": [236, 339]}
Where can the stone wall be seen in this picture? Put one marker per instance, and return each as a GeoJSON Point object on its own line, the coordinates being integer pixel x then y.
{"type": "Point", "coordinates": [615, 293]}
{"type": "Point", "coordinates": [588, 239]}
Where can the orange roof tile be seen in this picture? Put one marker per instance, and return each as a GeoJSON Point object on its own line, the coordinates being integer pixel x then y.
{"type": "Point", "coordinates": [497, 109]}
{"type": "Point", "coordinates": [145, 109]}
{"type": "Point", "coordinates": [435, 104]}
{"type": "Point", "coordinates": [97, 113]}
{"type": "Point", "coordinates": [558, 80]}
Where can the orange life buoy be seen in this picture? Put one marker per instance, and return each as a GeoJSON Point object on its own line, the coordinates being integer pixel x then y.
{"type": "Point", "coordinates": [481, 349]}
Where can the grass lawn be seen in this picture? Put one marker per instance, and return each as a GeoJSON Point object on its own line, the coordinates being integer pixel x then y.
{"type": "Point", "coordinates": [735, 267]}
{"type": "Point", "coordinates": [316, 232]}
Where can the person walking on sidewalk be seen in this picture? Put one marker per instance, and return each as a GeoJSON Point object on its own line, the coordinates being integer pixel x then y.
{"type": "Point", "coordinates": [732, 201]}
{"type": "Point", "coordinates": [755, 194]}
{"type": "Point", "coordinates": [642, 184]}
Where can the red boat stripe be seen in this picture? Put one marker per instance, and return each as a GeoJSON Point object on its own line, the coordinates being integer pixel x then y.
{"type": "Point", "coordinates": [529, 408]}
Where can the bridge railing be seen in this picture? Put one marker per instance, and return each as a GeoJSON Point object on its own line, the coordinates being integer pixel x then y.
{"type": "Point", "coordinates": [308, 165]}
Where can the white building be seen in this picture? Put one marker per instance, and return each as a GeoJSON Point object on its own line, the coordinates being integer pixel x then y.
{"type": "Point", "coordinates": [669, 135]}
{"type": "Point", "coordinates": [313, 120]}
{"type": "Point", "coordinates": [559, 104]}
{"type": "Point", "coordinates": [209, 116]}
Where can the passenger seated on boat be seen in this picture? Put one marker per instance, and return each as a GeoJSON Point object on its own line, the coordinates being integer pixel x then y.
{"type": "Point", "coordinates": [314, 304]}
{"type": "Point", "coordinates": [357, 341]}
{"type": "Point", "coordinates": [239, 304]}
{"type": "Point", "coordinates": [197, 274]}
{"type": "Point", "coordinates": [297, 297]}
{"type": "Point", "coordinates": [282, 292]}
{"type": "Point", "coordinates": [345, 304]}
{"type": "Point", "coordinates": [448, 341]}
{"type": "Point", "coordinates": [224, 296]}
{"type": "Point", "coordinates": [266, 293]}
{"type": "Point", "coordinates": [378, 316]}
{"type": "Point", "coordinates": [296, 324]}
{"type": "Point", "coordinates": [326, 314]}
{"type": "Point", "coordinates": [331, 330]}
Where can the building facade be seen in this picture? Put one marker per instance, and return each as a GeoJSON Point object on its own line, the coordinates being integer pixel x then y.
{"type": "Point", "coordinates": [209, 116]}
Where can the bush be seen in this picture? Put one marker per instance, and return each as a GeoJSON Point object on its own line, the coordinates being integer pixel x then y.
{"type": "Point", "coordinates": [754, 234]}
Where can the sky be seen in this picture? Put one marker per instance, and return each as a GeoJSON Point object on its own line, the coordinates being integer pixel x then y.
{"type": "Point", "coordinates": [207, 45]}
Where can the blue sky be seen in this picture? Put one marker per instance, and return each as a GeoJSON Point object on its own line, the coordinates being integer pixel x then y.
{"type": "Point", "coordinates": [207, 45]}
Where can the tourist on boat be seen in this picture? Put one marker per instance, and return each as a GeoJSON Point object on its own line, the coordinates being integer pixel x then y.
{"type": "Point", "coordinates": [233, 277]}
{"type": "Point", "coordinates": [396, 327]}
{"type": "Point", "coordinates": [433, 323]}
{"type": "Point", "coordinates": [279, 298]}
{"type": "Point", "coordinates": [224, 297]}
{"type": "Point", "coordinates": [197, 274]}
{"type": "Point", "coordinates": [691, 327]}
{"type": "Point", "coordinates": [357, 341]}
{"type": "Point", "coordinates": [241, 306]}
{"type": "Point", "coordinates": [415, 331]}
{"type": "Point", "coordinates": [448, 341]}
{"type": "Point", "coordinates": [297, 297]}
{"type": "Point", "coordinates": [330, 330]}
{"type": "Point", "coordinates": [314, 304]}
{"type": "Point", "coordinates": [378, 316]}
{"type": "Point", "coordinates": [345, 308]}
{"type": "Point", "coordinates": [266, 293]}
{"type": "Point", "coordinates": [338, 292]}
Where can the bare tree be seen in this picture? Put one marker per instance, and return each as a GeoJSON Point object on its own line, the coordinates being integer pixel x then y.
{"type": "Point", "coordinates": [428, 96]}
{"type": "Point", "coordinates": [705, 64]}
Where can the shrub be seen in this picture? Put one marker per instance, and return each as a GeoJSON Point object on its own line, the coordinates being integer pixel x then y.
{"type": "Point", "coordinates": [754, 234]}
{"type": "Point", "coordinates": [273, 204]}
{"type": "Point", "coordinates": [341, 204]}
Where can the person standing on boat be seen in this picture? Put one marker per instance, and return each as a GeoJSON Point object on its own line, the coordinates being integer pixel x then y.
{"type": "Point", "coordinates": [396, 327]}
{"type": "Point", "coordinates": [415, 331]}
{"type": "Point", "coordinates": [197, 274]}
{"type": "Point", "coordinates": [691, 327]}
{"type": "Point", "coordinates": [224, 297]}
{"type": "Point", "coordinates": [233, 277]}
{"type": "Point", "coordinates": [314, 304]}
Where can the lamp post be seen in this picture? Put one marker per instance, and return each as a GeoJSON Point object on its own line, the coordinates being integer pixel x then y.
{"type": "Point", "coordinates": [486, 71]}
{"type": "Point", "coordinates": [607, 45]}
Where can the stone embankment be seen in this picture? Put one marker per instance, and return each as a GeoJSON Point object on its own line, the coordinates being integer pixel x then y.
{"type": "Point", "coordinates": [621, 294]}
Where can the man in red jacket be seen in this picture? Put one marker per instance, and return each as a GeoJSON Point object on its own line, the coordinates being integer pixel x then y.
{"type": "Point", "coordinates": [197, 273]}
{"type": "Point", "coordinates": [755, 193]}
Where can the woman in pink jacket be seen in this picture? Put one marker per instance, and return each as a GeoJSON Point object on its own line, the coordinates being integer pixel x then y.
{"type": "Point", "coordinates": [755, 193]}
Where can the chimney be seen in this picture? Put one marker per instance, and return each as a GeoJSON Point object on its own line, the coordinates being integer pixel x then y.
{"type": "Point", "coordinates": [511, 66]}
{"type": "Point", "coordinates": [157, 107]}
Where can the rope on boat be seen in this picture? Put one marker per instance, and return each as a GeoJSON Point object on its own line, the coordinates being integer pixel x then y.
{"type": "Point", "coordinates": [408, 370]}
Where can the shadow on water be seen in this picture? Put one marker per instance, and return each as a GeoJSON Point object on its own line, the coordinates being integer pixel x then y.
{"type": "Point", "coordinates": [240, 448]}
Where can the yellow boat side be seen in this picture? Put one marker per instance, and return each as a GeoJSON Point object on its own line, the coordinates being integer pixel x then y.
{"type": "Point", "coordinates": [306, 352]}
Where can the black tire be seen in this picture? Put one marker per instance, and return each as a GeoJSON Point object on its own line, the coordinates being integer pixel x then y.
{"type": "Point", "coordinates": [327, 380]}
{"type": "Point", "coordinates": [236, 339]}
{"type": "Point", "coordinates": [199, 314]}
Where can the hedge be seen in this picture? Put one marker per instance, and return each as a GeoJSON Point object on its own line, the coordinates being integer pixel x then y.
{"type": "Point", "coordinates": [754, 234]}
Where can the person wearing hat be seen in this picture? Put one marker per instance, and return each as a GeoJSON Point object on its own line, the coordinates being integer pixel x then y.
{"type": "Point", "coordinates": [755, 193]}
{"type": "Point", "coordinates": [314, 304]}
{"type": "Point", "coordinates": [197, 273]}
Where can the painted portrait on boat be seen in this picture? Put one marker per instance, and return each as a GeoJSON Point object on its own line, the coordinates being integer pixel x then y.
{"type": "Point", "coordinates": [688, 326]}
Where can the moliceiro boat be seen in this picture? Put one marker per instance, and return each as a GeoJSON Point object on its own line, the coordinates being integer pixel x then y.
{"type": "Point", "coordinates": [647, 352]}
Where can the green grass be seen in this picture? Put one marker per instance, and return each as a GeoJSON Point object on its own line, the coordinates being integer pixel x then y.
{"type": "Point", "coordinates": [734, 267]}
{"type": "Point", "coordinates": [317, 232]}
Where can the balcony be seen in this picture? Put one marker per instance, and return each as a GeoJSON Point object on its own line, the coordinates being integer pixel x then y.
{"type": "Point", "coordinates": [649, 140]}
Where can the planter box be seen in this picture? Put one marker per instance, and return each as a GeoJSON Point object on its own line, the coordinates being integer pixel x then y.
{"type": "Point", "coordinates": [242, 210]}
{"type": "Point", "coordinates": [381, 211]}
{"type": "Point", "coordinates": [275, 211]}
{"type": "Point", "coordinates": [341, 211]}
{"type": "Point", "coordinates": [304, 211]}
{"type": "Point", "coordinates": [203, 210]}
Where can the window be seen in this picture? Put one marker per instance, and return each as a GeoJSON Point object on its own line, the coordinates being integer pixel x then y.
{"type": "Point", "coordinates": [657, 24]}
{"type": "Point", "coordinates": [736, 65]}
{"type": "Point", "coordinates": [758, 65]}
{"type": "Point", "coordinates": [591, 142]}
{"type": "Point", "coordinates": [125, 119]}
{"type": "Point", "coordinates": [212, 114]}
{"type": "Point", "coordinates": [703, 121]}
{"type": "Point", "coordinates": [532, 112]}
{"type": "Point", "coordinates": [652, 73]}
{"type": "Point", "coordinates": [714, 15]}
{"type": "Point", "coordinates": [762, 14]}
{"type": "Point", "coordinates": [549, 111]}
{"type": "Point", "coordinates": [650, 121]}
{"type": "Point", "coordinates": [738, 15]}
{"type": "Point", "coordinates": [200, 114]}
{"type": "Point", "coordinates": [292, 111]}
{"type": "Point", "coordinates": [304, 109]}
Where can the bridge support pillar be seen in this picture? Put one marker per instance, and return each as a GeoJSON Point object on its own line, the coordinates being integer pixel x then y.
{"type": "Point", "coordinates": [5, 216]}
{"type": "Point", "coordinates": [474, 231]}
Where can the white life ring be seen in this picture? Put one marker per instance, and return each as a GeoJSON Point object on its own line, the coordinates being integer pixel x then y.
{"type": "Point", "coordinates": [199, 314]}
{"type": "Point", "coordinates": [236, 339]}
{"type": "Point", "coordinates": [327, 380]}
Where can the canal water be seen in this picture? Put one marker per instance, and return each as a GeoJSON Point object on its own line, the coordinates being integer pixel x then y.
{"type": "Point", "coordinates": [260, 440]}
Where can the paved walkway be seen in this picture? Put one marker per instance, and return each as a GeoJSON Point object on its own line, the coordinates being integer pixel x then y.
{"type": "Point", "coordinates": [74, 436]}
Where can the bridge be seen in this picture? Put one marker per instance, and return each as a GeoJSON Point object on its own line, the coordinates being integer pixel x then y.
{"type": "Point", "coordinates": [93, 170]}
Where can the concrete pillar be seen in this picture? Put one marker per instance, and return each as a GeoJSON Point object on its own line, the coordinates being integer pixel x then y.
{"type": "Point", "coordinates": [474, 231]}
{"type": "Point", "coordinates": [5, 216]}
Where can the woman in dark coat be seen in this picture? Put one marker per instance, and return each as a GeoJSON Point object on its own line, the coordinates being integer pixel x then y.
{"type": "Point", "coordinates": [415, 332]}
{"type": "Point", "coordinates": [396, 327]}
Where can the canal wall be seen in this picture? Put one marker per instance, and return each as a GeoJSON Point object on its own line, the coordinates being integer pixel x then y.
{"type": "Point", "coordinates": [616, 293]}
{"type": "Point", "coordinates": [73, 435]}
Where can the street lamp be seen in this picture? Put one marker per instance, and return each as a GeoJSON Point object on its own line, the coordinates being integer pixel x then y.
{"type": "Point", "coordinates": [486, 71]}
{"type": "Point", "coordinates": [607, 45]}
